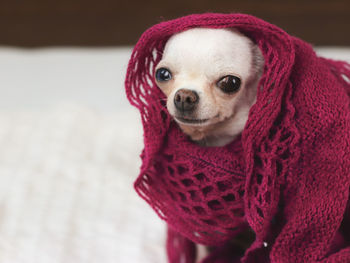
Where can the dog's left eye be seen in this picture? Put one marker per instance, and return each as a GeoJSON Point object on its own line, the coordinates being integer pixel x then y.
{"type": "Point", "coordinates": [163, 74]}
{"type": "Point", "coordinates": [229, 84]}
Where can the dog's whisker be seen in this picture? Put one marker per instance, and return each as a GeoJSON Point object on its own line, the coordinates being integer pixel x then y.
{"type": "Point", "coordinates": [164, 107]}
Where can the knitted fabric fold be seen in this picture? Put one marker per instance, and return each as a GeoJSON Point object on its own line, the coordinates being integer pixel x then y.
{"type": "Point", "coordinates": [286, 177]}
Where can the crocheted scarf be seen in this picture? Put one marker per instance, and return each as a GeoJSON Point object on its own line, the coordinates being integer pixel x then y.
{"type": "Point", "coordinates": [286, 177]}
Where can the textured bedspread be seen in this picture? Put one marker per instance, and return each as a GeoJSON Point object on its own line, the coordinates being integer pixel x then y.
{"type": "Point", "coordinates": [66, 170]}
{"type": "Point", "coordinates": [66, 189]}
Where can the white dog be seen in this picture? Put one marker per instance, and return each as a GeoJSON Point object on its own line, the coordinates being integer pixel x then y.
{"type": "Point", "coordinates": [210, 79]}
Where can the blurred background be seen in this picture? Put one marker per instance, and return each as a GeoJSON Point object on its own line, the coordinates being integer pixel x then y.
{"type": "Point", "coordinates": [70, 142]}
{"type": "Point", "coordinates": [120, 22]}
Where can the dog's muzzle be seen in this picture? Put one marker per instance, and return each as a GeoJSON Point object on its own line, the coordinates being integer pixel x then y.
{"type": "Point", "coordinates": [186, 100]}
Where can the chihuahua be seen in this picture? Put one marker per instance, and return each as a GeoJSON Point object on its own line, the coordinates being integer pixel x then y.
{"type": "Point", "coordinates": [210, 79]}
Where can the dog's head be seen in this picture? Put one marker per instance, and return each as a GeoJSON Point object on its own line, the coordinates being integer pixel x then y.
{"type": "Point", "coordinates": [209, 77]}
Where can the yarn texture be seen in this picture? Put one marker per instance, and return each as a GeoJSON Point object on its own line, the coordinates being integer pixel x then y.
{"type": "Point", "coordinates": [286, 178]}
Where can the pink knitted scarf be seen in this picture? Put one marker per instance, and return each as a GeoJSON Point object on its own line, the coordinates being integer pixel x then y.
{"type": "Point", "coordinates": [286, 178]}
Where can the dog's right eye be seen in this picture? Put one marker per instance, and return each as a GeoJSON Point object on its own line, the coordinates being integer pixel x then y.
{"type": "Point", "coordinates": [163, 74]}
{"type": "Point", "coordinates": [229, 84]}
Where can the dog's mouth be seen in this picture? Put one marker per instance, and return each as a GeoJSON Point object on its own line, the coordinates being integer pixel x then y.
{"type": "Point", "coordinates": [195, 121]}
{"type": "Point", "coordinates": [192, 121]}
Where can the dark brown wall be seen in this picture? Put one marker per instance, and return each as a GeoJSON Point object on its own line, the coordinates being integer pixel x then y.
{"type": "Point", "coordinates": [107, 23]}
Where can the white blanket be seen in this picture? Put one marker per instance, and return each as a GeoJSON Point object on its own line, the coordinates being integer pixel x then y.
{"type": "Point", "coordinates": [69, 153]}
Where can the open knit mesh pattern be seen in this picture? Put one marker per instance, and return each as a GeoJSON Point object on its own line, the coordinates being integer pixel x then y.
{"type": "Point", "coordinates": [293, 154]}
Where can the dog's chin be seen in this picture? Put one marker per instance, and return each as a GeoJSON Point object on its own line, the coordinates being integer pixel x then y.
{"type": "Point", "coordinates": [197, 128]}
{"type": "Point", "coordinates": [207, 131]}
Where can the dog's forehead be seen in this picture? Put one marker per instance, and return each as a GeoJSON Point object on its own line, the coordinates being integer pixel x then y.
{"type": "Point", "coordinates": [199, 46]}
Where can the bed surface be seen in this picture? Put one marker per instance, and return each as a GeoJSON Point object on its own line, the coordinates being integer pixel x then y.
{"type": "Point", "coordinates": [69, 153]}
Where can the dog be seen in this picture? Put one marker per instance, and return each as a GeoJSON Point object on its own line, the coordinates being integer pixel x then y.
{"type": "Point", "coordinates": [210, 79]}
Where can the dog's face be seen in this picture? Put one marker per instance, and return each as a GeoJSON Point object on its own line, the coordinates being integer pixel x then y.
{"type": "Point", "coordinates": [209, 77]}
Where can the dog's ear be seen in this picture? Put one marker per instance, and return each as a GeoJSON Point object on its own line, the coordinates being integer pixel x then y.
{"type": "Point", "coordinates": [257, 59]}
{"type": "Point", "coordinates": [257, 56]}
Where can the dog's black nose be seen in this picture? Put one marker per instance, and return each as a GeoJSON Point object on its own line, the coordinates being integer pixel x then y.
{"type": "Point", "coordinates": [185, 100]}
